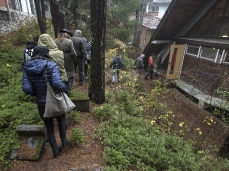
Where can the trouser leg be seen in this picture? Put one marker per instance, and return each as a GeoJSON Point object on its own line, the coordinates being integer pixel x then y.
{"type": "Point", "coordinates": [147, 75]}
{"type": "Point", "coordinates": [118, 75]}
{"type": "Point", "coordinates": [86, 70]}
{"type": "Point", "coordinates": [151, 74]}
{"type": "Point", "coordinates": [113, 76]}
{"type": "Point", "coordinates": [75, 65]}
{"type": "Point", "coordinates": [80, 66]}
{"type": "Point", "coordinates": [62, 130]}
{"type": "Point", "coordinates": [70, 82]}
{"type": "Point", "coordinates": [81, 71]}
{"type": "Point", "coordinates": [140, 73]}
{"type": "Point", "coordinates": [49, 124]}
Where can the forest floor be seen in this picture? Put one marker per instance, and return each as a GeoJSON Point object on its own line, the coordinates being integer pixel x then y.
{"type": "Point", "coordinates": [89, 155]}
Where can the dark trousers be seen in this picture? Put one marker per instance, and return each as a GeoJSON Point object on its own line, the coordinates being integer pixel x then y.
{"type": "Point", "coordinates": [49, 123]}
{"type": "Point", "coordinates": [86, 68]}
{"type": "Point", "coordinates": [78, 63]}
{"type": "Point", "coordinates": [150, 73]}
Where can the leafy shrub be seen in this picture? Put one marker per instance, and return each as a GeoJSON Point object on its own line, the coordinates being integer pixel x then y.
{"type": "Point", "coordinates": [116, 158]}
{"type": "Point", "coordinates": [128, 63]}
{"type": "Point", "coordinates": [104, 112]}
{"type": "Point", "coordinates": [127, 104]}
{"type": "Point", "coordinates": [77, 136]}
{"type": "Point", "coordinates": [74, 115]}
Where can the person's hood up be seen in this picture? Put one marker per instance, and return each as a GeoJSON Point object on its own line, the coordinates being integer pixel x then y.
{"type": "Point", "coordinates": [35, 67]}
{"type": "Point", "coordinates": [142, 56]}
{"type": "Point", "coordinates": [31, 45]}
{"type": "Point", "coordinates": [118, 57]}
{"type": "Point", "coordinates": [78, 33]}
{"type": "Point", "coordinates": [47, 40]}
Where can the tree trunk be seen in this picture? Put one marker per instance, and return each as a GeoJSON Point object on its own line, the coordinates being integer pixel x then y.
{"type": "Point", "coordinates": [57, 17]}
{"type": "Point", "coordinates": [136, 41]}
{"type": "Point", "coordinates": [43, 17]}
{"type": "Point", "coordinates": [98, 29]}
{"type": "Point", "coordinates": [40, 18]}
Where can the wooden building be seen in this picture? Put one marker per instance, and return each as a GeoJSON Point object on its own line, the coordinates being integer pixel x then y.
{"type": "Point", "coordinates": [194, 38]}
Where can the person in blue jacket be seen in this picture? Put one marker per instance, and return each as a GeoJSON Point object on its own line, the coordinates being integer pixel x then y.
{"type": "Point", "coordinates": [34, 84]}
{"type": "Point", "coordinates": [116, 65]}
{"type": "Point", "coordinates": [88, 51]}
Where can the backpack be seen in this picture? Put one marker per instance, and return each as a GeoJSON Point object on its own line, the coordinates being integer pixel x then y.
{"type": "Point", "coordinates": [117, 63]}
{"type": "Point", "coordinates": [28, 53]}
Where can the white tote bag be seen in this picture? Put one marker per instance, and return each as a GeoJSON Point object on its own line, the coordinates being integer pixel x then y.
{"type": "Point", "coordinates": [57, 104]}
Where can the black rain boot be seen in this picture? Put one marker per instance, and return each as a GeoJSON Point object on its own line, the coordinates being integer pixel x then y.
{"type": "Point", "coordinates": [55, 150]}
{"type": "Point", "coordinates": [62, 132]}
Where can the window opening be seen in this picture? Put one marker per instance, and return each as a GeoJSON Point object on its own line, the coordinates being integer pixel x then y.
{"type": "Point", "coordinates": [209, 54]}
{"type": "Point", "coordinates": [226, 57]}
{"type": "Point", "coordinates": [192, 50]}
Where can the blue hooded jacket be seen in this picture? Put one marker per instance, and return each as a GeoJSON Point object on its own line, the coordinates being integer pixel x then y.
{"type": "Point", "coordinates": [116, 63]}
{"type": "Point", "coordinates": [33, 79]}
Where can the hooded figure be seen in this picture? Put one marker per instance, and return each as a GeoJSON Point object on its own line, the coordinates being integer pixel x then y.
{"type": "Point", "coordinates": [34, 84]}
{"type": "Point", "coordinates": [116, 65]}
{"type": "Point", "coordinates": [28, 51]}
{"type": "Point", "coordinates": [139, 62]}
{"type": "Point", "coordinates": [139, 65]}
{"type": "Point", "coordinates": [57, 55]}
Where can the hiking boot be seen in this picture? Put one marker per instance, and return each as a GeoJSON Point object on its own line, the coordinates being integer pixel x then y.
{"type": "Point", "coordinates": [52, 142]}
{"type": "Point", "coordinates": [82, 83]}
{"type": "Point", "coordinates": [86, 77]}
{"type": "Point", "coordinates": [146, 78]}
{"type": "Point", "coordinates": [65, 145]}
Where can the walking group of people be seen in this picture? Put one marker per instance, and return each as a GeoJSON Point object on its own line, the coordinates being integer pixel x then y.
{"type": "Point", "coordinates": [58, 59]}
{"type": "Point", "coordinates": [153, 65]}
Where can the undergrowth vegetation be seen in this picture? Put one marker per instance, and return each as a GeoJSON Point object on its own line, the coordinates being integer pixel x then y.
{"type": "Point", "coordinates": [138, 132]}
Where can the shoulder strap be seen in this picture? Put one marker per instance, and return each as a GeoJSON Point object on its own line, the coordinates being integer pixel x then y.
{"type": "Point", "coordinates": [45, 72]}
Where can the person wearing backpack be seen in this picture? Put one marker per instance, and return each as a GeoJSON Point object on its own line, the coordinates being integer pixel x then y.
{"type": "Point", "coordinates": [28, 51]}
{"type": "Point", "coordinates": [116, 65]}
{"type": "Point", "coordinates": [88, 51]}
{"type": "Point", "coordinates": [81, 58]}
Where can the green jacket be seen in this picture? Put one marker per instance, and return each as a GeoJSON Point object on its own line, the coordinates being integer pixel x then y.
{"type": "Point", "coordinates": [57, 55]}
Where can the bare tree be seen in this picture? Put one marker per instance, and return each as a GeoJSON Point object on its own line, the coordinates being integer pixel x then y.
{"type": "Point", "coordinates": [40, 10]}
{"type": "Point", "coordinates": [98, 29]}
